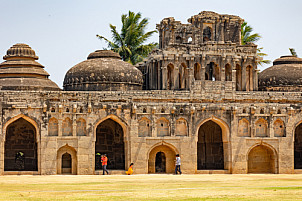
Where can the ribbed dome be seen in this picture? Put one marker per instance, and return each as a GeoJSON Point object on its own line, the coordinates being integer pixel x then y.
{"type": "Point", "coordinates": [20, 71]}
{"type": "Point", "coordinates": [103, 71]}
{"type": "Point", "coordinates": [284, 75]}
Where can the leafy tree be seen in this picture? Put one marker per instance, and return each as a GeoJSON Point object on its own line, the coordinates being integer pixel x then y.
{"type": "Point", "coordinates": [129, 43]}
{"type": "Point", "coordinates": [248, 37]}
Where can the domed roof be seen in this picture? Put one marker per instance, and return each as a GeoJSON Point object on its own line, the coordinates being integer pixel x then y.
{"type": "Point", "coordinates": [20, 71]}
{"type": "Point", "coordinates": [103, 71]}
{"type": "Point", "coordinates": [284, 75]}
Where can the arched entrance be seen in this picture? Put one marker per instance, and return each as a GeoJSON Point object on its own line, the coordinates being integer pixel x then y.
{"type": "Point", "coordinates": [210, 154]}
{"type": "Point", "coordinates": [110, 141]}
{"type": "Point", "coordinates": [67, 160]}
{"type": "Point", "coordinates": [298, 147]}
{"type": "Point", "coordinates": [66, 163]}
{"type": "Point", "coordinates": [161, 160]}
{"type": "Point", "coordinates": [261, 159]}
{"type": "Point", "coordinates": [20, 149]}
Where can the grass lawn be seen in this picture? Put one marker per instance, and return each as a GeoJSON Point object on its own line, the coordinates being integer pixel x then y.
{"type": "Point", "coordinates": [152, 187]}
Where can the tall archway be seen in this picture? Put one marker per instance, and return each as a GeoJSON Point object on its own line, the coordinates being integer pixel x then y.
{"type": "Point", "coordinates": [210, 154]}
{"type": "Point", "coordinates": [67, 160]}
{"type": "Point", "coordinates": [170, 76]}
{"type": "Point", "coordinates": [66, 163]}
{"type": "Point", "coordinates": [238, 78]}
{"type": "Point", "coordinates": [228, 72]}
{"type": "Point", "coordinates": [261, 159]}
{"type": "Point", "coordinates": [161, 159]}
{"type": "Point", "coordinates": [298, 147]}
{"type": "Point", "coordinates": [110, 141]}
{"type": "Point", "coordinates": [20, 148]}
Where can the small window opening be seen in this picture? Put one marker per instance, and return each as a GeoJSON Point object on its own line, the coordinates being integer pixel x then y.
{"type": "Point", "coordinates": [144, 110]}
{"type": "Point", "coordinates": [279, 112]}
{"type": "Point", "coordinates": [53, 110]}
{"type": "Point", "coordinates": [261, 111]}
{"type": "Point", "coordinates": [162, 110]}
{"type": "Point", "coordinates": [67, 109]}
{"type": "Point", "coordinates": [162, 125]}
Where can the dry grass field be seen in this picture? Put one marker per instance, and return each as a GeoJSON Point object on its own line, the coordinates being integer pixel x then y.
{"type": "Point", "coordinates": [152, 187]}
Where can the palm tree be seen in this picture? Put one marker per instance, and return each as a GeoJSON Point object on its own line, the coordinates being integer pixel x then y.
{"type": "Point", "coordinates": [130, 42]}
{"type": "Point", "coordinates": [248, 37]}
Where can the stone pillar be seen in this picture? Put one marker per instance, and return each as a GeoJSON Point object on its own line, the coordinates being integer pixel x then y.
{"type": "Point", "coordinates": [74, 125]}
{"type": "Point", "coordinates": [243, 71]}
{"type": "Point", "coordinates": [164, 77]}
{"type": "Point", "coordinates": [256, 79]}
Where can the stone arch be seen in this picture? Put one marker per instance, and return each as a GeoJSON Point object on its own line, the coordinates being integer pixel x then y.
{"type": "Point", "coordinates": [261, 127]}
{"type": "Point", "coordinates": [144, 127]}
{"type": "Point", "coordinates": [244, 128]}
{"type": "Point", "coordinates": [53, 127]}
{"type": "Point", "coordinates": [225, 132]}
{"type": "Point", "coordinates": [279, 128]}
{"type": "Point", "coordinates": [110, 138]}
{"type": "Point", "coordinates": [170, 76]}
{"type": "Point", "coordinates": [81, 127]}
{"type": "Point", "coordinates": [162, 127]}
{"type": "Point", "coordinates": [238, 77]}
{"type": "Point", "coordinates": [74, 162]}
{"type": "Point", "coordinates": [67, 127]}
{"type": "Point", "coordinates": [197, 71]}
{"type": "Point", "coordinates": [298, 146]}
{"type": "Point", "coordinates": [262, 158]}
{"type": "Point", "coordinates": [20, 144]}
{"type": "Point", "coordinates": [228, 72]}
{"type": "Point", "coordinates": [168, 150]}
{"type": "Point", "coordinates": [212, 72]}
{"type": "Point", "coordinates": [181, 127]}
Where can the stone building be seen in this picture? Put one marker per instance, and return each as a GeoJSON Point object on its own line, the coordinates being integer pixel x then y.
{"type": "Point", "coordinates": [197, 95]}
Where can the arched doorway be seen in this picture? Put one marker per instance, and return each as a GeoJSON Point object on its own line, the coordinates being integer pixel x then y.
{"type": "Point", "coordinates": [298, 147]}
{"type": "Point", "coordinates": [66, 163]}
{"type": "Point", "coordinates": [261, 159]}
{"type": "Point", "coordinates": [210, 154]}
{"type": "Point", "coordinates": [161, 160]}
{"type": "Point", "coordinates": [20, 149]}
{"type": "Point", "coordinates": [110, 141]}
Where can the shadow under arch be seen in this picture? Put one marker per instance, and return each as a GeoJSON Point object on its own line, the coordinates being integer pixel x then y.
{"type": "Point", "coordinates": [74, 162]}
{"type": "Point", "coordinates": [21, 145]}
{"type": "Point", "coordinates": [224, 145]}
{"type": "Point", "coordinates": [111, 138]}
{"type": "Point", "coordinates": [262, 158]}
{"type": "Point", "coordinates": [155, 154]}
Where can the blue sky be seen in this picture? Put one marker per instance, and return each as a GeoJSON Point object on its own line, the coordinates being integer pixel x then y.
{"type": "Point", "coordinates": [62, 32]}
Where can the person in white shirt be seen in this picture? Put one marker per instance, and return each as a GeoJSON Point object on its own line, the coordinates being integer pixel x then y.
{"type": "Point", "coordinates": [177, 164]}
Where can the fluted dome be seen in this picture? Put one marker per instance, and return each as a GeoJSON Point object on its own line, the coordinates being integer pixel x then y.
{"type": "Point", "coordinates": [20, 71]}
{"type": "Point", "coordinates": [284, 75]}
{"type": "Point", "coordinates": [103, 71]}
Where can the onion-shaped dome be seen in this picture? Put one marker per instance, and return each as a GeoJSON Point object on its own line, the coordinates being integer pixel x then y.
{"type": "Point", "coordinates": [103, 71]}
{"type": "Point", "coordinates": [20, 71]}
{"type": "Point", "coordinates": [284, 75]}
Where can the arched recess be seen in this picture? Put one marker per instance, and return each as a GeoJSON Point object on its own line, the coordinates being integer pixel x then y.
{"type": "Point", "coordinates": [170, 76]}
{"type": "Point", "coordinates": [207, 34]}
{"type": "Point", "coordinates": [197, 71]}
{"type": "Point", "coordinates": [53, 127]}
{"type": "Point", "coordinates": [298, 147]}
{"type": "Point", "coordinates": [261, 128]}
{"type": "Point", "coordinates": [162, 127]}
{"type": "Point", "coordinates": [262, 158]}
{"type": "Point", "coordinates": [184, 76]}
{"type": "Point", "coordinates": [228, 72]}
{"type": "Point", "coordinates": [21, 144]}
{"type": "Point", "coordinates": [238, 77]}
{"type": "Point", "coordinates": [219, 130]}
{"type": "Point", "coordinates": [110, 138]}
{"type": "Point", "coordinates": [249, 78]}
{"type": "Point", "coordinates": [212, 72]}
{"type": "Point", "coordinates": [279, 128]}
{"type": "Point", "coordinates": [167, 163]}
{"type": "Point", "coordinates": [61, 167]}
{"type": "Point", "coordinates": [67, 127]}
{"type": "Point", "coordinates": [144, 127]}
{"type": "Point", "coordinates": [244, 128]}
{"type": "Point", "coordinates": [181, 128]}
{"type": "Point", "coordinates": [81, 127]}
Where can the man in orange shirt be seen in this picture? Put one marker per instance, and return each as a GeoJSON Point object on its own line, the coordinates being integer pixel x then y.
{"type": "Point", "coordinates": [104, 160]}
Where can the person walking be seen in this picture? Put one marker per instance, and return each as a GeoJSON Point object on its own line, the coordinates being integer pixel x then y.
{"type": "Point", "coordinates": [104, 160]}
{"type": "Point", "coordinates": [130, 170]}
{"type": "Point", "coordinates": [177, 164]}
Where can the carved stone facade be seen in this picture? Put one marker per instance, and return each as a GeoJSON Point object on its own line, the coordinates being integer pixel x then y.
{"type": "Point", "coordinates": [200, 101]}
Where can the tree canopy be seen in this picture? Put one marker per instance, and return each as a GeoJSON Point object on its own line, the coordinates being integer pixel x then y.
{"type": "Point", "coordinates": [248, 37]}
{"type": "Point", "coordinates": [129, 43]}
